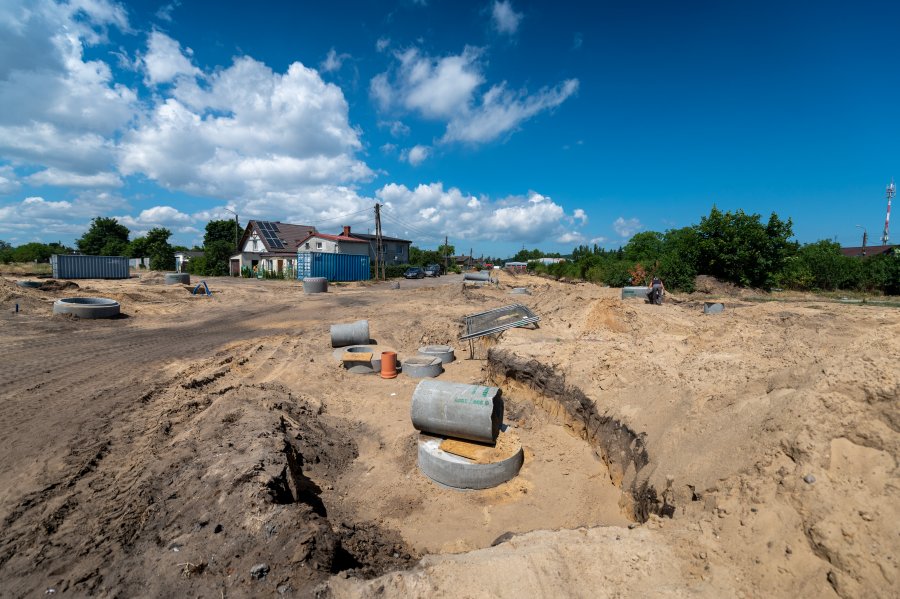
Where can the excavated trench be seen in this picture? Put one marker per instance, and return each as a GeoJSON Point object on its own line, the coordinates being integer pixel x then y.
{"type": "Point", "coordinates": [622, 449]}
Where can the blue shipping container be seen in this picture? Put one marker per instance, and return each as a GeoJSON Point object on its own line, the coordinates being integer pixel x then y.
{"type": "Point", "coordinates": [66, 266]}
{"type": "Point", "coordinates": [334, 267]}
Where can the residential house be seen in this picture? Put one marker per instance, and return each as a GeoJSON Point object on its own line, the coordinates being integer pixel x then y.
{"type": "Point", "coordinates": [333, 244]}
{"type": "Point", "coordinates": [270, 246]}
{"type": "Point", "coordinates": [182, 258]}
{"type": "Point", "coordinates": [396, 251]}
{"type": "Point", "coordinates": [871, 250]}
{"type": "Point", "coordinates": [463, 261]}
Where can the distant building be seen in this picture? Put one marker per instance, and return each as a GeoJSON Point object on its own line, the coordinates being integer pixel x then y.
{"type": "Point", "coordinates": [182, 258]}
{"type": "Point", "coordinates": [396, 251]}
{"type": "Point", "coordinates": [270, 246]}
{"type": "Point", "coordinates": [463, 261]}
{"type": "Point", "coordinates": [516, 266]}
{"type": "Point", "coordinates": [334, 244]}
{"type": "Point", "coordinates": [548, 261]}
{"type": "Point", "coordinates": [871, 250]}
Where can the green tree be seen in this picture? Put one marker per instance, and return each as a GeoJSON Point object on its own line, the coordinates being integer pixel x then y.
{"type": "Point", "coordinates": [737, 247]}
{"type": "Point", "coordinates": [137, 248]}
{"type": "Point", "coordinates": [826, 267]}
{"type": "Point", "coordinates": [105, 237]}
{"type": "Point", "coordinates": [524, 255]}
{"type": "Point", "coordinates": [677, 265]}
{"type": "Point", "coordinates": [32, 252]}
{"type": "Point", "coordinates": [645, 247]}
{"type": "Point", "coordinates": [216, 257]}
{"type": "Point", "coordinates": [218, 246]}
{"type": "Point", "coordinates": [222, 230]}
{"type": "Point", "coordinates": [161, 254]}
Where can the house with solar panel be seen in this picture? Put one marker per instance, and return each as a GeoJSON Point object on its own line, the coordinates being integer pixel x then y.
{"type": "Point", "coordinates": [269, 247]}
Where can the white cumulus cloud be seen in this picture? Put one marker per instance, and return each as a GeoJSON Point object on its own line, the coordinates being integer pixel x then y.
{"type": "Point", "coordinates": [58, 109]}
{"type": "Point", "coordinates": [502, 110]}
{"type": "Point", "coordinates": [505, 18]}
{"type": "Point", "coordinates": [333, 61]}
{"type": "Point", "coordinates": [416, 155]}
{"type": "Point", "coordinates": [60, 178]}
{"type": "Point", "coordinates": [37, 218]}
{"type": "Point", "coordinates": [247, 131]}
{"type": "Point", "coordinates": [428, 212]}
{"type": "Point", "coordinates": [444, 89]}
{"type": "Point", "coordinates": [165, 61]}
{"type": "Point", "coordinates": [9, 182]}
{"type": "Point", "coordinates": [627, 227]}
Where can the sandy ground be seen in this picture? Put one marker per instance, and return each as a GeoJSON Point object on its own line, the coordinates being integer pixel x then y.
{"type": "Point", "coordinates": [213, 447]}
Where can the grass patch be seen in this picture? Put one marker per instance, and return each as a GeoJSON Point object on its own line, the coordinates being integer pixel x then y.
{"type": "Point", "coordinates": [26, 268]}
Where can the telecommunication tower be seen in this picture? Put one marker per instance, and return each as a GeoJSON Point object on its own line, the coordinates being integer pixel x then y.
{"type": "Point", "coordinates": [890, 193]}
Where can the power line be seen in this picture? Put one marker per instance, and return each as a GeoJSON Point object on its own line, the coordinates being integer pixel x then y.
{"type": "Point", "coordinates": [413, 228]}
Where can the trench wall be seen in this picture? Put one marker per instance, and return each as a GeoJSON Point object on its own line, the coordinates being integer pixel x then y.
{"type": "Point", "coordinates": [622, 449]}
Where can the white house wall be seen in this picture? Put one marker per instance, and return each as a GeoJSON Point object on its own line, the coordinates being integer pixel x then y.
{"type": "Point", "coordinates": [327, 246]}
{"type": "Point", "coordinates": [253, 244]}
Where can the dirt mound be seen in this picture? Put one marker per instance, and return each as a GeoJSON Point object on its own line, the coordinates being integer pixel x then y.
{"type": "Point", "coordinates": [153, 278]}
{"type": "Point", "coordinates": [610, 315]}
{"type": "Point", "coordinates": [58, 285]}
{"type": "Point", "coordinates": [710, 286]}
{"type": "Point", "coordinates": [215, 477]}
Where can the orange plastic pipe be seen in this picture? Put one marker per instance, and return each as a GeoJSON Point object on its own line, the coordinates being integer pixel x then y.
{"type": "Point", "coordinates": [388, 364]}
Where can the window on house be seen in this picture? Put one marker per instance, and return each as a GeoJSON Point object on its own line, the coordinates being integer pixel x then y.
{"type": "Point", "coordinates": [307, 245]}
{"type": "Point", "coordinates": [318, 245]}
{"type": "Point", "coordinates": [254, 245]}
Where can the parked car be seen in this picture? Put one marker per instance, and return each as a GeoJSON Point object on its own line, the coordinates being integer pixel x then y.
{"type": "Point", "coordinates": [414, 272]}
{"type": "Point", "coordinates": [433, 270]}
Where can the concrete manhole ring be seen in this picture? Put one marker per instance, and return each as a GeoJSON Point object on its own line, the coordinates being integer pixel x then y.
{"type": "Point", "coordinates": [458, 472]}
{"type": "Point", "coordinates": [87, 307]}
{"type": "Point", "coordinates": [419, 367]}
{"type": "Point", "coordinates": [315, 285]}
{"type": "Point", "coordinates": [29, 284]}
{"type": "Point", "coordinates": [357, 367]}
{"type": "Point", "coordinates": [713, 307]}
{"type": "Point", "coordinates": [443, 352]}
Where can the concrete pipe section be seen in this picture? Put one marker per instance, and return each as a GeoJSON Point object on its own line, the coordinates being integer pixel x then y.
{"type": "Point", "coordinates": [520, 291]}
{"type": "Point", "coordinates": [713, 308]}
{"type": "Point", "coordinates": [463, 473]}
{"type": "Point", "coordinates": [640, 292]}
{"type": "Point", "coordinates": [315, 285]}
{"type": "Point", "coordinates": [29, 284]}
{"type": "Point", "coordinates": [87, 307]}
{"type": "Point", "coordinates": [420, 367]}
{"type": "Point", "coordinates": [458, 410]}
{"type": "Point", "coordinates": [178, 278]}
{"type": "Point", "coordinates": [477, 276]}
{"type": "Point", "coordinates": [354, 333]}
{"type": "Point", "coordinates": [444, 352]}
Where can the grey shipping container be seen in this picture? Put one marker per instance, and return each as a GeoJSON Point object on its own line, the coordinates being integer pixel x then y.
{"type": "Point", "coordinates": [89, 267]}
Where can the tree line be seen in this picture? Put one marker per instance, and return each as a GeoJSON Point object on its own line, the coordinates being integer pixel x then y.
{"type": "Point", "coordinates": [732, 246]}
{"type": "Point", "coordinates": [108, 237]}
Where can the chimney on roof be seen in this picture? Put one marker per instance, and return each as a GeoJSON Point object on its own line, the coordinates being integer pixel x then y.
{"type": "Point", "coordinates": [346, 231]}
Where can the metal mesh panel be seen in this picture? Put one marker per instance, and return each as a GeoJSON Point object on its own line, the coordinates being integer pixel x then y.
{"type": "Point", "coordinates": [497, 320]}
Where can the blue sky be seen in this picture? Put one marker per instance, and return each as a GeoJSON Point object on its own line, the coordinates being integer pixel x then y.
{"type": "Point", "coordinates": [498, 124]}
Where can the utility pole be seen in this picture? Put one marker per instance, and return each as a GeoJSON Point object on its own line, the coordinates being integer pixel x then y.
{"type": "Point", "coordinates": [237, 227]}
{"type": "Point", "coordinates": [379, 245]}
